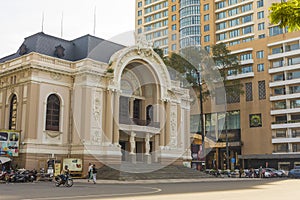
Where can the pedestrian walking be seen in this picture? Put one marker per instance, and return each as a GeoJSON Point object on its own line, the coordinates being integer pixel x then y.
{"type": "Point", "coordinates": [90, 172]}
{"type": "Point", "coordinates": [260, 172]}
{"type": "Point", "coordinates": [94, 170]}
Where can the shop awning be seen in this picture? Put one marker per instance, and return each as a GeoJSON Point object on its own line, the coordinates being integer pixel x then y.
{"type": "Point", "coordinates": [4, 159]}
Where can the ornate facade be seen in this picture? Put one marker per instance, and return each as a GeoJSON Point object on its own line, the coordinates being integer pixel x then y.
{"type": "Point", "coordinates": [107, 105]}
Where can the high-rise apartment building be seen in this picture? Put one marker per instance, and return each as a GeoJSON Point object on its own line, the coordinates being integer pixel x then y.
{"type": "Point", "coordinates": [263, 124]}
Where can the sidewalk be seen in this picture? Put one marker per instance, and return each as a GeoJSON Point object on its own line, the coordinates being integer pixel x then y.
{"type": "Point", "coordinates": [101, 181]}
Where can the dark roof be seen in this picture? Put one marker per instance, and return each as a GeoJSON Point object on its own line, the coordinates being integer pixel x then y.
{"type": "Point", "coordinates": [87, 46]}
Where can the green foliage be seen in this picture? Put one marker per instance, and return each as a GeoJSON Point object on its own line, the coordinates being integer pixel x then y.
{"type": "Point", "coordinates": [286, 14]}
{"type": "Point", "coordinates": [110, 70]}
{"type": "Point", "coordinates": [226, 61]}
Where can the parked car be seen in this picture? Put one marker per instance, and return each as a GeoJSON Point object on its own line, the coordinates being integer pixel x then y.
{"type": "Point", "coordinates": [294, 173]}
{"type": "Point", "coordinates": [273, 172]}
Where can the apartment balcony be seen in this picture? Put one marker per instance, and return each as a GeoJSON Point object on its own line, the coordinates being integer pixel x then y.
{"type": "Point", "coordinates": [284, 54]}
{"type": "Point", "coordinates": [284, 82]}
{"type": "Point", "coordinates": [285, 140]}
{"type": "Point", "coordinates": [285, 124]}
{"type": "Point", "coordinates": [284, 68]}
{"type": "Point", "coordinates": [285, 96]}
{"type": "Point", "coordinates": [241, 76]}
{"type": "Point", "coordinates": [134, 124]}
{"type": "Point", "coordinates": [285, 111]}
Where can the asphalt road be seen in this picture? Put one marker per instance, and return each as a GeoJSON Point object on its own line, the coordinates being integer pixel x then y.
{"type": "Point", "coordinates": [215, 190]}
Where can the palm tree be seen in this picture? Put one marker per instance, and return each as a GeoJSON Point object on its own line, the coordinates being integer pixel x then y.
{"type": "Point", "coordinates": [286, 14]}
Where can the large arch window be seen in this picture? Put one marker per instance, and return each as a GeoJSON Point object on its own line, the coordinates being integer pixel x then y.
{"type": "Point", "coordinates": [52, 113]}
{"type": "Point", "coordinates": [13, 113]}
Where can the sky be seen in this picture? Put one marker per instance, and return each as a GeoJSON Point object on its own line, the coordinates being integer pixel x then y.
{"type": "Point", "coordinates": [22, 18]}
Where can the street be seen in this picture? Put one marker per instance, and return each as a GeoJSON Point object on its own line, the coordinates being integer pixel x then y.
{"type": "Point", "coordinates": [216, 189]}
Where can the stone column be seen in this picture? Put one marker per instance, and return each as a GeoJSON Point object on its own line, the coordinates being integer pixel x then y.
{"type": "Point", "coordinates": [131, 107]}
{"type": "Point", "coordinates": [162, 120]}
{"type": "Point", "coordinates": [168, 124]}
{"type": "Point", "coordinates": [116, 118]}
{"type": "Point", "coordinates": [109, 117]}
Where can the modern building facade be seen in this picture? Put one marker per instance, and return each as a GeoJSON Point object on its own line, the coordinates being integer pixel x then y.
{"type": "Point", "coordinates": [262, 124]}
{"type": "Point", "coordinates": [92, 100]}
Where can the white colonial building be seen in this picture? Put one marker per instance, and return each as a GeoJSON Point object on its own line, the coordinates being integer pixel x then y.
{"type": "Point", "coordinates": [94, 100]}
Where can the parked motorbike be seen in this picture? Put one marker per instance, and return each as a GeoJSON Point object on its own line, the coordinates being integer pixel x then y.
{"type": "Point", "coordinates": [67, 181]}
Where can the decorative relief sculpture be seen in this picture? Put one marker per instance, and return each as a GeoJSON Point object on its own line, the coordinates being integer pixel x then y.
{"type": "Point", "coordinates": [173, 134]}
{"type": "Point", "coordinates": [147, 143]}
{"type": "Point", "coordinates": [132, 142]}
{"type": "Point", "coordinates": [144, 46]}
{"type": "Point", "coordinates": [96, 137]}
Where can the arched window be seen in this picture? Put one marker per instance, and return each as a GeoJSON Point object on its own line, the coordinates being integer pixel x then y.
{"type": "Point", "coordinates": [13, 113]}
{"type": "Point", "coordinates": [52, 113]}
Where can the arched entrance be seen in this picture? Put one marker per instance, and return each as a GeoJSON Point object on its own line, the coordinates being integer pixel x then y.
{"type": "Point", "coordinates": [138, 118]}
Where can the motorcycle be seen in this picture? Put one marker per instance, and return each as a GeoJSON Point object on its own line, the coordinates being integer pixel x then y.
{"type": "Point", "coordinates": [66, 180]}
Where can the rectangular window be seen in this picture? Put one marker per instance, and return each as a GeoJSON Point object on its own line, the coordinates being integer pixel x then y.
{"type": "Point", "coordinates": [140, 4]}
{"type": "Point", "coordinates": [247, 69]}
{"type": "Point", "coordinates": [294, 89]}
{"type": "Point", "coordinates": [206, 27]}
{"type": "Point", "coordinates": [221, 26]}
{"type": "Point", "coordinates": [261, 26]}
{"type": "Point", "coordinates": [174, 27]}
{"type": "Point", "coordinates": [139, 13]}
{"type": "Point", "coordinates": [294, 61]}
{"type": "Point", "coordinates": [173, 17]}
{"type": "Point", "coordinates": [139, 22]}
{"type": "Point", "coordinates": [206, 38]}
{"type": "Point", "coordinates": [275, 31]}
{"type": "Point", "coordinates": [247, 30]}
{"type": "Point", "coordinates": [260, 54]}
{"type": "Point", "coordinates": [260, 67]}
{"type": "Point", "coordinates": [260, 3]}
{"type": "Point", "coordinates": [174, 36]}
{"type": "Point", "coordinates": [221, 36]}
{"type": "Point", "coordinates": [261, 90]}
{"type": "Point", "coordinates": [234, 22]}
{"type": "Point", "coordinates": [261, 36]}
{"type": "Point", "coordinates": [260, 15]}
{"type": "Point", "coordinates": [233, 12]}
{"type": "Point", "coordinates": [235, 42]}
{"type": "Point", "coordinates": [206, 7]}
{"type": "Point", "coordinates": [247, 18]}
{"type": "Point", "coordinates": [173, 47]}
{"type": "Point", "coordinates": [247, 7]}
{"type": "Point", "coordinates": [173, 8]}
{"type": "Point", "coordinates": [234, 33]}
{"type": "Point", "coordinates": [221, 15]}
{"type": "Point", "coordinates": [206, 17]}
{"type": "Point", "coordinates": [279, 91]}
{"type": "Point", "coordinates": [221, 4]}
{"type": "Point", "coordinates": [232, 2]}
{"type": "Point", "coordinates": [278, 77]}
{"type": "Point", "coordinates": [247, 56]}
{"type": "Point", "coordinates": [207, 48]}
{"type": "Point", "coordinates": [249, 95]}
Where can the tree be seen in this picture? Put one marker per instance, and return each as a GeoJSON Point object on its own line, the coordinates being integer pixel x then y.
{"type": "Point", "coordinates": [214, 69]}
{"type": "Point", "coordinates": [228, 64]}
{"type": "Point", "coordinates": [286, 14]}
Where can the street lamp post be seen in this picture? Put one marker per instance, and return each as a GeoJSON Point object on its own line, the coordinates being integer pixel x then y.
{"type": "Point", "coordinates": [201, 115]}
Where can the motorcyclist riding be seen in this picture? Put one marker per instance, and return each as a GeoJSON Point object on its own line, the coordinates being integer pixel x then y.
{"type": "Point", "coordinates": [64, 173]}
